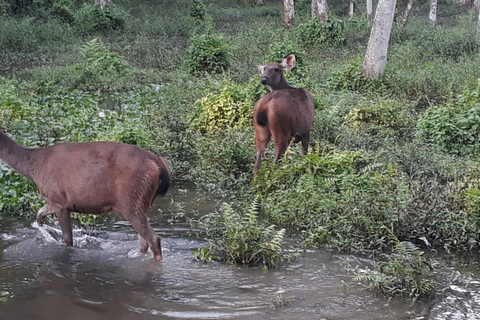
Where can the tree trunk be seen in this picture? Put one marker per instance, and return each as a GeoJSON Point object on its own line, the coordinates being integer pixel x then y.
{"type": "Point", "coordinates": [465, 2]}
{"type": "Point", "coordinates": [259, 3]}
{"type": "Point", "coordinates": [320, 10]}
{"type": "Point", "coordinates": [350, 9]}
{"type": "Point", "coordinates": [369, 12]}
{"type": "Point", "coordinates": [478, 30]}
{"type": "Point", "coordinates": [476, 4]}
{"type": "Point", "coordinates": [406, 14]}
{"type": "Point", "coordinates": [377, 49]}
{"type": "Point", "coordinates": [432, 16]}
{"type": "Point", "coordinates": [289, 12]}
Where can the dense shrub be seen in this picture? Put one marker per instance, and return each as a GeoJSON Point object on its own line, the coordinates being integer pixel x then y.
{"type": "Point", "coordinates": [208, 53]}
{"type": "Point", "coordinates": [454, 127]}
{"type": "Point", "coordinates": [378, 115]}
{"type": "Point", "coordinates": [198, 11]}
{"type": "Point", "coordinates": [315, 33]}
{"type": "Point", "coordinates": [350, 77]}
{"type": "Point", "coordinates": [242, 238]}
{"type": "Point", "coordinates": [90, 18]}
{"type": "Point", "coordinates": [405, 272]}
{"type": "Point", "coordinates": [224, 110]}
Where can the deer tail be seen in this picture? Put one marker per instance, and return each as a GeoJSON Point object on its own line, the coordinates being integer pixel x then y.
{"type": "Point", "coordinates": [262, 118]}
{"type": "Point", "coordinates": [164, 178]}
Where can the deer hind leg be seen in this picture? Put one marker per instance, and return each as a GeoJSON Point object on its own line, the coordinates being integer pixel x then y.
{"type": "Point", "coordinates": [305, 142]}
{"type": "Point", "coordinates": [147, 237]}
{"type": "Point", "coordinates": [281, 145]}
{"type": "Point", "coordinates": [262, 138]}
{"type": "Point", "coordinates": [65, 221]}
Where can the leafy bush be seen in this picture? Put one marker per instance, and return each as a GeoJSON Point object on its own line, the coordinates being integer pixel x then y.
{"type": "Point", "coordinates": [229, 108]}
{"type": "Point", "coordinates": [242, 238]}
{"type": "Point", "coordinates": [198, 11]}
{"type": "Point", "coordinates": [405, 272]}
{"type": "Point", "coordinates": [100, 66]}
{"type": "Point", "coordinates": [315, 33]}
{"type": "Point", "coordinates": [90, 18]}
{"type": "Point", "coordinates": [454, 127]}
{"type": "Point", "coordinates": [223, 161]}
{"type": "Point", "coordinates": [384, 114]}
{"type": "Point", "coordinates": [18, 195]}
{"type": "Point", "coordinates": [350, 77]}
{"type": "Point", "coordinates": [208, 53]}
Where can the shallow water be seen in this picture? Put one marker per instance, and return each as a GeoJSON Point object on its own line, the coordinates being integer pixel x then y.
{"type": "Point", "coordinates": [105, 277]}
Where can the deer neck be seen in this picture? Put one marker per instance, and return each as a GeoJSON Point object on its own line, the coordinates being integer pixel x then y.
{"type": "Point", "coordinates": [282, 84]}
{"type": "Point", "coordinates": [16, 156]}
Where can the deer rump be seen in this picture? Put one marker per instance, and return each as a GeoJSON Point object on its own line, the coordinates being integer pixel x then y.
{"type": "Point", "coordinates": [285, 113]}
{"type": "Point", "coordinates": [101, 177]}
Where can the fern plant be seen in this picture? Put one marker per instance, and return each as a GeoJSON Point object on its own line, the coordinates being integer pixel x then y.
{"type": "Point", "coordinates": [405, 272]}
{"type": "Point", "coordinates": [243, 238]}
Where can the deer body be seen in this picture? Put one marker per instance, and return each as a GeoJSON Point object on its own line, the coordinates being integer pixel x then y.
{"type": "Point", "coordinates": [93, 177]}
{"type": "Point", "coordinates": [284, 113]}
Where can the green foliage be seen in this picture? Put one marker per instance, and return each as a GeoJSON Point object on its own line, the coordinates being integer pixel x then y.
{"type": "Point", "coordinates": [382, 114]}
{"type": "Point", "coordinates": [100, 66]}
{"type": "Point", "coordinates": [18, 195]}
{"type": "Point", "coordinates": [230, 108]}
{"type": "Point", "coordinates": [198, 11]}
{"type": "Point", "coordinates": [29, 35]}
{"type": "Point", "coordinates": [208, 53]}
{"type": "Point", "coordinates": [314, 33]}
{"type": "Point", "coordinates": [90, 18]}
{"type": "Point", "coordinates": [224, 161]}
{"type": "Point", "coordinates": [454, 127]}
{"type": "Point", "coordinates": [405, 272]}
{"type": "Point", "coordinates": [350, 77]}
{"type": "Point", "coordinates": [242, 238]}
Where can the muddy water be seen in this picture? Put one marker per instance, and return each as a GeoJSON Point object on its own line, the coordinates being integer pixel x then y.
{"type": "Point", "coordinates": [105, 277]}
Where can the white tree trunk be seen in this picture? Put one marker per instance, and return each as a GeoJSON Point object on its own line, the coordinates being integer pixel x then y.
{"type": "Point", "coordinates": [432, 16]}
{"type": "Point", "coordinates": [320, 10]}
{"type": "Point", "coordinates": [369, 12]}
{"type": "Point", "coordinates": [259, 3]}
{"type": "Point", "coordinates": [478, 29]}
{"type": "Point", "coordinates": [406, 14]}
{"type": "Point", "coordinates": [289, 12]}
{"type": "Point", "coordinates": [377, 48]}
{"type": "Point", "coordinates": [476, 4]}
{"type": "Point", "coordinates": [350, 9]}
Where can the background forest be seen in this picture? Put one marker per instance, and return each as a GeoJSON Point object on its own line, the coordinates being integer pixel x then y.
{"type": "Point", "coordinates": [393, 166]}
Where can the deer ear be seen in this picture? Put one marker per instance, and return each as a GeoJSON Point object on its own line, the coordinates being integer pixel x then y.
{"type": "Point", "coordinates": [261, 69]}
{"type": "Point", "coordinates": [289, 62]}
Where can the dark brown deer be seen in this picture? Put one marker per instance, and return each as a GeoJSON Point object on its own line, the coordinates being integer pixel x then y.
{"type": "Point", "coordinates": [93, 177]}
{"type": "Point", "coordinates": [284, 113]}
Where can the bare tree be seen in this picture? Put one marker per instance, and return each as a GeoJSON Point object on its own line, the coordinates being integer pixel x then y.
{"type": "Point", "coordinates": [377, 48]}
{"type": "Point", "coordinates": [432, 16]}
{"type": "Point", "coordinates": [289, 9]}
{"type": "Point", "coordinates": [320, 10]}
{"type": "Point", "coordinates": [406, 14]}
{"type": "Point", "coordinates": [369, 12]}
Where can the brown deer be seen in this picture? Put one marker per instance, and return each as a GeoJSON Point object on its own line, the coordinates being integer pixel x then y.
{"type": "Point", "coordinates": [284, 113]}
{"type": "Point", "coordinates": [93, 177]}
